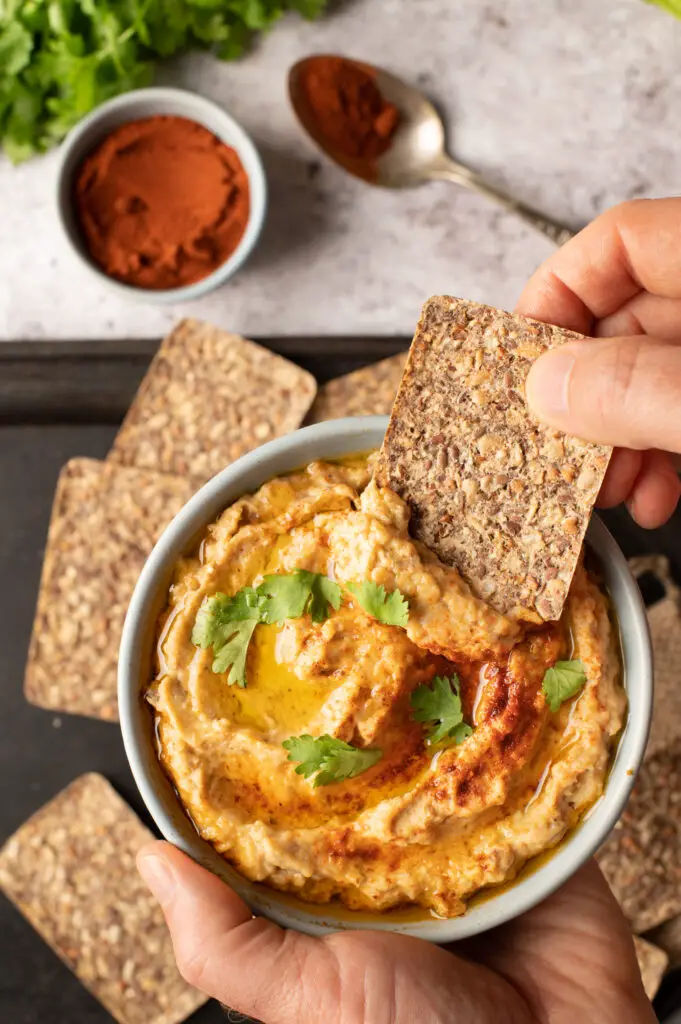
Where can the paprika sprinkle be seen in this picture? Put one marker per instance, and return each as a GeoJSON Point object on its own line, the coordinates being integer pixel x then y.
{"type": "Point", "coordinates": [348, 107]}
{"type": "Point", "coordinates": [161, 202]}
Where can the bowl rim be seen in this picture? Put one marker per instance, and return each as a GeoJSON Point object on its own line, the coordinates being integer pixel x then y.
{"type": "Point", "coordinates": [239, 139]}
{"type": "Point", "coordinates": [332, 439]}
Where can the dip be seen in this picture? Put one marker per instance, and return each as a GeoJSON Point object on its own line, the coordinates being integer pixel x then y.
{"type": "Point", "coordinates": [385, 764]}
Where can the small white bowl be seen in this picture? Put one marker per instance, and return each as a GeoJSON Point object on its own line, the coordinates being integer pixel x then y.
{"type": "Point", "coordinates": [332, 440]}
{"type": "Point", "coordinates": [133, 106]}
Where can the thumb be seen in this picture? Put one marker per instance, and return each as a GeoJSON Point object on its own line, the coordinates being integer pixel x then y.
{"type": "Point", "coordinates": [619, 391]}
{"type": "Point", "coordinates": [245, 962]}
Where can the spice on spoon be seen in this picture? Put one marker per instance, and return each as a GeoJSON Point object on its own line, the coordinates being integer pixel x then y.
{"type": "Point", "coordinates": [349, 110]}
{"type": "Point", "coordinates": [161, 202]}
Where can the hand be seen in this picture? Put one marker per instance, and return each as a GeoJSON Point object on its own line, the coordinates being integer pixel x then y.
{"type": "Point", "coordinates": [619, 279]}
{"type": "Point", "coordinates": [570, 959]}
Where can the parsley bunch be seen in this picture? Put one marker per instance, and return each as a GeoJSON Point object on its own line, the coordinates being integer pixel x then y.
{"type": "Point", "coordinates": [60, 58]}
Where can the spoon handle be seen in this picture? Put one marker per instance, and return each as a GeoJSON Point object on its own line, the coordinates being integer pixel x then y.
{"type": "Point", "coordinates": [451, 170]}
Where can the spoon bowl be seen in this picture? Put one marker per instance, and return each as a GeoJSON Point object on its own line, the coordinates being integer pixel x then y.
{"type": "Point", "coordinates": [417, 152]}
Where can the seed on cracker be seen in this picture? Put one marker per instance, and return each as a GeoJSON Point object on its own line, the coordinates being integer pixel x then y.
{"type": "Point", "coordinates": [653, 963]}
{"type": "Point", "coordinates": [492, 491]}
{"type": "Point", "coordinates": [642, 858]}
{"type": "Point", "coordinates": [208, 398]}
{"type": "Point", "coordinates": [105, 521]}
{"type": "Point", "coordinates": [367, 392]}
{"type": "Point", "coordinates": [71, 871]}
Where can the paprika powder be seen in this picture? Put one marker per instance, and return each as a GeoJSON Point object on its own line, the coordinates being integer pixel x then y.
{"type": "Point", "coordinates": [349, 110]}
{"type": "Point", "coordinates": [161, 202]}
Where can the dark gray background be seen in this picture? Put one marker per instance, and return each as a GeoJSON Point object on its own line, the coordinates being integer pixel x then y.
{"type": "Point", "coordinates": [58, 401]}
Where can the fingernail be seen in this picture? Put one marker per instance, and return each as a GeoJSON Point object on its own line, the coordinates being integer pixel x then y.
{"type": "Point", "coordinates": [547, 385]}
{"type": "Point", "coordinates": [158, 876]}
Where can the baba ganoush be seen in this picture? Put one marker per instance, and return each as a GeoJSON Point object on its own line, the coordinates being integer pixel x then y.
{"type": "Point", "coordinates": [397, 746]}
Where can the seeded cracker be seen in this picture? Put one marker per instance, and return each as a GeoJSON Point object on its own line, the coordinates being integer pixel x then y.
{"type": "Point", "coordinates": [208, 398]}
{"type": "Point", "coordinates": [664, 619]}
{"type": "Point", "coordinates": [492, 492]}
{"type": "Point", "coordinates": [71, 871]}
{"type": "Point", "coordinates": [105, 521]}
{"type": "Point", "coordinates": [642, 857]}
{"type": "Point", "coordinates": [367, 392]}
{"type": "Point", "coordinates": [653, 963]}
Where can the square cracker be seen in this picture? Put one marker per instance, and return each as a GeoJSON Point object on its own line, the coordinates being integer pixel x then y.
{"type": "Point", "coordinates": [207, 399]}
{"type": "Point", "coordinates": [653, 963]}
{"type": "Point", "coordinates": [71, 871]}
{"type": "Point", "coordinates": [367, 392]}
{"type": "Point", "coordinates": [105, 521]}
{"type": "Point", "coordinates": [664, 619]}
{"type": "Point", "coordinates": [492, 492]}
{"type": "Point", "coordinates": [642, 858]}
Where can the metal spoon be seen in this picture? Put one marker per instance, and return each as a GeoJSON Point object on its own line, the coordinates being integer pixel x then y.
{"type": "Point", "coordinates": [417, 152]}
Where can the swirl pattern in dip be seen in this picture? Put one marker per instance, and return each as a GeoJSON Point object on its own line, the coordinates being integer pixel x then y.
{"type": "Point", "coordinates": [427, 825]}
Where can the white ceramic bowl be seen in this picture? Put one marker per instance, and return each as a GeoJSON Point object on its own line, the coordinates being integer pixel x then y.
{"type": "Point", "coordinates": [132, 106]}
{"type": "Point", "coordinates": [331, 440]}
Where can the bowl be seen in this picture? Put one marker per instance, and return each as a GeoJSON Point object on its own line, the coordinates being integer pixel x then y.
{"type": "Point", "coordinates": [133, 106]}
{"type": "Point", "coordinates": [332, 440]}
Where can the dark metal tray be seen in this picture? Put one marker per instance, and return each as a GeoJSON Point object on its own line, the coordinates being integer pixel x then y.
{"type": "Point", "coordinates": [63, 399]}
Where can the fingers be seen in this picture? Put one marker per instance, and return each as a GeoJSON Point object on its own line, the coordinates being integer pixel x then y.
{"type": "Point", "coordinates": [248, 963]}
{"type": "Point", "coordinates": [625, 466]}
{"type": "Point", "coordinates": [644, 314]}
{"type": "Point", "coordinates": [655, 493]}
{"type": "Point", "coordinates": [619, 391]}
{"type": "Point", "coordinates": [631, 248]}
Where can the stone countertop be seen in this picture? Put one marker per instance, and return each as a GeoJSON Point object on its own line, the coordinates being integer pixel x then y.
{"type": "Point", "coordinates": [570, 104]}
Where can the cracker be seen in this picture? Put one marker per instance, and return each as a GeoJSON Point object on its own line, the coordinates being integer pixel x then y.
{"type": "Point", "coordinates": [492, 491]}
{"type": "Point", "coordinates": [653, 963]}
{"type": "Point", "coordinates": [207, 399]}
{"type": "Point", "coordinates": [642, 857]}
{"type": "Point", "coordinates": [105, 521]}
{"type": "Point", "coordinates": [71, 871]}
{"type": "Point", "coordinates": [664, 619]}
{"type": "Point", "coordinates": [367, 392]}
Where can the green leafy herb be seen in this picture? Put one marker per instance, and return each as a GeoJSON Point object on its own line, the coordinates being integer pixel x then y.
{"type": "Point", "coordinates": [673, 6]}
{"type": "Point", "coordinates": [60, 58]}
{"type": "Point", "coordinates": [392, 609]}
{"type": "Point", "coordinates": [227, 623]}
{"type": "Point", "coordinates": [328, 759]}
{"type": "Point", "coordinates": [289, 597]}
{"type": "Point", "coordinates": [563, 681]}
{"type": "Point", "coordinates": [440, 704]}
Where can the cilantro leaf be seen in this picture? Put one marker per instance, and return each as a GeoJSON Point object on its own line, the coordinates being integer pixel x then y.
{"type": "Point", "coordinates": [227, 623]}
{"type": "Point", "coordinates": [329, 759]}
{"type": "Point", "coordinates": [391, 609]}
{"type": "Point", "coordinates": [563, 681]}
{"type": "Point", "coordinates": [233, 652]}
{"type": "Point", "coordinates": [440, 704]}
{"type": "Point", "coordinates": [290, 596]}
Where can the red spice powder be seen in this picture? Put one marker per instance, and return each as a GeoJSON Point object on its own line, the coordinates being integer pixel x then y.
{"type": "Point", "coordinates": [162, 202]}
{"type": "Point", "coordinates": [348, 107]}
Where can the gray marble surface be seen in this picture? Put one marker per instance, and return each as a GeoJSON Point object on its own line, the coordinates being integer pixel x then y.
{"type": "Point", "coordinates": [571, 104]}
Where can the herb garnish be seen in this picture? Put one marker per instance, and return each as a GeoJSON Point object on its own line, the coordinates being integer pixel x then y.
{"type": "Point", "coordinates": [440, 704]}
{"type": "Point", "coordinates": [227, 623]}
{"type": "Point", "coordinates": [331, 759]}
{"type": "Point", "coordinates": [391, 609]}
{"type": "Point", "coordinates": [563, 681]}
